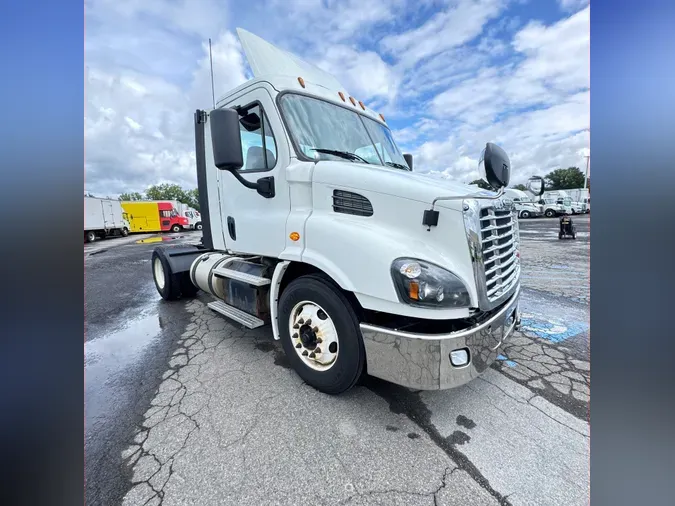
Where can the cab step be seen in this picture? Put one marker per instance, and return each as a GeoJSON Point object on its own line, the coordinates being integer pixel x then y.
{"type": "Point", "coordinates": [251, 279]}
{"type": "Point", "coordinates": [247, 320]}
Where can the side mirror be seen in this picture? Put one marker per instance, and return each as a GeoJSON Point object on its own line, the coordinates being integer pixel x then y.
{"type": "Point", "coordinates": [495, 166]}
{"type": "Point", "coordinates": [535, 185]}
{"type": "Point", "coordinates": [225, 138]}
{"type": "Point", "coordinates": [408, 160]}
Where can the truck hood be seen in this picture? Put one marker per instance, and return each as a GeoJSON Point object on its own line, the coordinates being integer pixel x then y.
{"type": "Point", "coordinates": [395, 182]}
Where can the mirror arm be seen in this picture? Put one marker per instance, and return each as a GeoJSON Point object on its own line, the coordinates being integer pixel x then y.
{"type": "Point", "coordinates": [476, 196]}
{"type": "Point", "coordinates": [264, 186]}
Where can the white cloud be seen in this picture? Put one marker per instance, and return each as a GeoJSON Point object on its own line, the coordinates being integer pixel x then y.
{"type": "Point", "coordinates": [459, 23]}
{"type": "Point", "coordinates": [139, 127]}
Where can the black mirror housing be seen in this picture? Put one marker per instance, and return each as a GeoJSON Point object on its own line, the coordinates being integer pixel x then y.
{"type": "Point", "coordinates": [225, 139]}
{"type": "Point", "coordinates": [408, 160]}
{"type": "Point", "coordinates": [497, 166]}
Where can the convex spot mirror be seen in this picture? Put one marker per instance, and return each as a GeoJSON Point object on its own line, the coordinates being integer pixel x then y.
{"type": "Point", "coordinates": [225, 138]}
{"type": "Point", "coordinates": [535, 185]}
{"type": "Point", "coordinates": [494, 166]}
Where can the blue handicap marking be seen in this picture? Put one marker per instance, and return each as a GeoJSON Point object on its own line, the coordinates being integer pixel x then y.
{"type": "Point", "coordinates": [508, 362]}
{"type": "Point", "coordinates": [551, 330]}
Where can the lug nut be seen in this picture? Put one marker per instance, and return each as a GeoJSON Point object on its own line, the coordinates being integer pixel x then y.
{"type": "Point", "coordinates": [309, 322]}
{"type": "Point", "coordinates": [317, 350]}
{"type": "Point", "coordinates": [299, 345]}
{"type": "Point", "coordinates": [315, 329]}
{"type": "Point", "coordinates": [295, 336]}
{"type": "Point", "coordinates": [301, 321]}
{"type": "Point", "coordinates": [312, 355]}
{"type": "Point", "coordinates": [319, 340]}
{"type": "Point", "coordinates": [296, 326]}
{"type": "Point", "coordinates": [304, 353]}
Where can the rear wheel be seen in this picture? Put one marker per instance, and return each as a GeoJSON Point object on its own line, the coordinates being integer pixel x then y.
{"type": "Point", "coordinates": [550, 213]}
{"type": "Point", "coordinates": [320, 334]}
{"type": "Point", "coordinates": [560, 235]}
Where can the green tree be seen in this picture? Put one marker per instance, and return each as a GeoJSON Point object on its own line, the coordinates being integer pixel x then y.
{"type": "Point", "coordinates": [564, 179]}
{"type": "Point", "coordinates": [166, 191]}
{"type": "Point", "coordinates": [132, 196]}
{"type": "Point", "coordinates": [520, 187]}
{"type": "Point", "coordinates": [482, 184]}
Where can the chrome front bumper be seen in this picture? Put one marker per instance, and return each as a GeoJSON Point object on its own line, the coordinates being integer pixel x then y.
{"type": "Point", "coordinates": [422, 361]}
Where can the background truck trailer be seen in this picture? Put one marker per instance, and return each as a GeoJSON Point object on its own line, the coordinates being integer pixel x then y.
{"type": "Point", "coordinates": [148, 216]}
{"type": "Point", "coordinates": [103, 218]}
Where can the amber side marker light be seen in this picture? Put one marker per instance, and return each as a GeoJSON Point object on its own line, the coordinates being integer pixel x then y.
{"type": "Point", "coordinates": [294, 236]}
{"type": "Point", "coordinates": [362, 106]}
{"type": "Point", "coordinates": [382, 118]}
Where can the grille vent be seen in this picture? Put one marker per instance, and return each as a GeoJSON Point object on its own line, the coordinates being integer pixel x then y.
{"type": "Point", "coordinates": [351, 203]}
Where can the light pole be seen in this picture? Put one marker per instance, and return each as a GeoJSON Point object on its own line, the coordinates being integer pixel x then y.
{"type": "Point", "coordinates": [588, 158]}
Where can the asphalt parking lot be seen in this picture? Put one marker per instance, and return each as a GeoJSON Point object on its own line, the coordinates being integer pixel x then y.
{"type": "Point", "coordinates": [183, 407]}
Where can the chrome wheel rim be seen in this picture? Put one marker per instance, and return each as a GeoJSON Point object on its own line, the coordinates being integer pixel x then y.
{"type": "Point", "coordinates": [313, 335]}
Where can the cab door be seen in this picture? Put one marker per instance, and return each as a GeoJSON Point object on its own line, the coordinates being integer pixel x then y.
{"type": "Point", "coordinates": [252, 223]}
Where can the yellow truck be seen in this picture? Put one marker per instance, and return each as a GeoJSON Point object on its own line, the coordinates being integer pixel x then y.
{"type": "Point", "coordinates": [153, 216]}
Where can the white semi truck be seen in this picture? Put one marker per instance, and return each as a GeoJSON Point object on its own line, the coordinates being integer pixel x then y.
{"type": "Point", "coordinates": [104, 218]}
{"type": "Point", "coordinates": [524, 207]}
{"type": "Point", "coordinates": [315, 223]}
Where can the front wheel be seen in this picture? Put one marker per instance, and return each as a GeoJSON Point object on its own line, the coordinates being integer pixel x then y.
{"type": "Point", "coordinates": [175, 228]}
{"type": "Point", "coordinates": [550, 213]}
{"type": "Point", "coordinates": [90, 236]}
{"type": "Point", "coordinates": [125, 232]}
{"type": "Point", "coordinates": [198, 226]}
{"type": "Point", "coordinates": [320, 334]}
{"type": "Point", "coordinates": [525, 214]}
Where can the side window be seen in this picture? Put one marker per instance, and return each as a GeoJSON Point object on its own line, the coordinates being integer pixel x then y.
{"type": "Point", "coordinates": [257, 140]}
{"type": "Point", "coordinates": [516, 199]}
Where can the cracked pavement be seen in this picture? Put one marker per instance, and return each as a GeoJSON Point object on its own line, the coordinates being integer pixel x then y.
{"type": "Point", "coordinates": [219, 417]}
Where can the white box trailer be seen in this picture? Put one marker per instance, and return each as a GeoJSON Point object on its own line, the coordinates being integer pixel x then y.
{"type": "Point", "coordinates": [315, 224]}
{"type": "Point", "coordinates": [103, 218]}
{"type": "Point", "coordinates": [582, 196]}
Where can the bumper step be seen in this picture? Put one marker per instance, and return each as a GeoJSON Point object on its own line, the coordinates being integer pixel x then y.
{"type": "Point", "coordinates": [247, 320]}
{"type": "Point", "coordinates": [224, 272]}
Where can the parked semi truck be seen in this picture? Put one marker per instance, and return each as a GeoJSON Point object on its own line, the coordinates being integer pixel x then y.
{"type": "Point", "coordinates": [524, 207]}
{"type": "Point", "coordinates": [153, 216]}
{"type": "Point", "coordinates": [315, 223]}
{"type": "Point", "coordinates": [103, 218]}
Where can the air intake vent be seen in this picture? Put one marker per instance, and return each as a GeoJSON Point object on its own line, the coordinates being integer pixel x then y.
{"type": "Point", "coordinates": [351, 203]}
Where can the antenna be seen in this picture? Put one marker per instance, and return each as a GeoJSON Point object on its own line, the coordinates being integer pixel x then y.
{"type": "Point", "coordinates": [213, 92]}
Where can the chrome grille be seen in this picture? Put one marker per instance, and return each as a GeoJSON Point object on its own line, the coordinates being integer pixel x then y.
{"type": "Point", "coordinates": [499, 242]}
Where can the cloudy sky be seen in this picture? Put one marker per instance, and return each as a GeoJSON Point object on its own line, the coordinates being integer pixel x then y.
{"type": "Point", "coordinates": [448, 75]}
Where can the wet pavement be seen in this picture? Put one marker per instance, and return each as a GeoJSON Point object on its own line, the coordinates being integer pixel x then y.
{"type": "Point", "coordinates": [184, 407]}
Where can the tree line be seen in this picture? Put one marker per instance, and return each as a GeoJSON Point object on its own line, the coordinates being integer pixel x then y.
{"type": "Point", "coordinates": [558, 179]}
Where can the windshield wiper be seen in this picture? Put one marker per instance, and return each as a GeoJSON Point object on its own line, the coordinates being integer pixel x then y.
{"type": "Point", "coordinates": [342, 154]}
{"type": "Point", "coordinates": [398, 165]}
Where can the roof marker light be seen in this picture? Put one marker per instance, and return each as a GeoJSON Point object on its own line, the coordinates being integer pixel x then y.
{"type": "Point", "coordinates": [351, 99]}
{"type": "Point", "coordinates": [342, 95]}
{"type": "Point", "coordinates": [382, 118]}
{"type": "Point", "coordinates": [301, 81]}
{"type": "Point", "coordinates": [362, 106]}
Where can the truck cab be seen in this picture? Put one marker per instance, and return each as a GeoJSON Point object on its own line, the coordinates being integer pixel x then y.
{"type": "Point", "coordinates": [523, 204]}
{"type": "Point", "coordinates": [315, 223]}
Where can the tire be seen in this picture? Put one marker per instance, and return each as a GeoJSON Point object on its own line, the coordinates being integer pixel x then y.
{"type": "Point", "coordinates": [187, 289]}
{"type": "Point", "coordinates": [525, 214]}
{"type": "Point", "coordinates": [303, 296]}
{"type": "Point", "coordinates": [125, 232]}
{"type": "Point", "coordinates": [550, 213]}
{"type": "Point", "coordinates": [90, 236]}
{"type": "Point", "coordinates": [198, 226]}
{"type": "Point", "coordinates": [166, 282]}
{"type": "Point", "coordinates": [176, 228]}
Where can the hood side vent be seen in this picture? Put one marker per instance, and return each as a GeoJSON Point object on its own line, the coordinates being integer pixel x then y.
{"type": "Point", "coordinates": [351, 203]}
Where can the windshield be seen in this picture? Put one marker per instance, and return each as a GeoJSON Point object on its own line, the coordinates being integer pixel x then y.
{"type": "Point", "coordinates": [318, 125]}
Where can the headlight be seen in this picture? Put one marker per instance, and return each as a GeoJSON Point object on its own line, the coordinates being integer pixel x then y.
{"type": "Point", "coordinates": [423, 284]}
